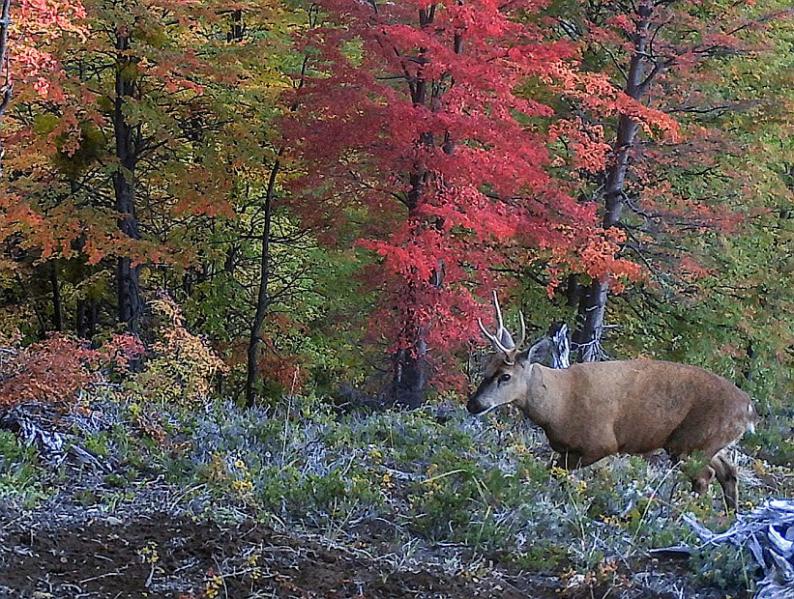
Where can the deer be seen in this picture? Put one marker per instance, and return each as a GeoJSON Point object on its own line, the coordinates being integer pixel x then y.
{"type": "Point", "coordinates": [597, 409]}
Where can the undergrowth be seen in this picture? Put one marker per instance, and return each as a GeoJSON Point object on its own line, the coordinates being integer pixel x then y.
{"type": "Point", "coordinates": [423, 479]}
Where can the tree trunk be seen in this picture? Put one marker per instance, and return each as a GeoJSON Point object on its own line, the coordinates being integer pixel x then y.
{"type": "Point", "coordinates": [80, 319]}
{"type": "Point", "coordinates": [263, 294]}
{"type": "Point", "coordinates": [57, 304]}
{"type": "Point", "coordinates": [130, 304]}
{"type": "Point", "coordinates": [5, 83]}
{"type": "Point", "coordinates": [409, 383]}
{"type": "Point", "coordinates": [87, 316]}
{"type": "Point", "coordinates": [410, 365]}
{"type": "Point", "coordinates": [235, 33]}
{"type": "Point", "coordinates": [593, 303]}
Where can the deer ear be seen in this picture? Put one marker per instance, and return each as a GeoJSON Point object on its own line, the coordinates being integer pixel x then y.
{"type": "Point", "coordinates": [523, 357]}
{"type": "Point", "coordinates": [534, 353]}
{"type": "Point", "coordinates": [506, 339]}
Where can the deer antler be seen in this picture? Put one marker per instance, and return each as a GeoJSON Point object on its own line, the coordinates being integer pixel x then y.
{"type": "Point", "coordinates": [494, 341]}
{"type": "Point", "coordinates": [502, 341]}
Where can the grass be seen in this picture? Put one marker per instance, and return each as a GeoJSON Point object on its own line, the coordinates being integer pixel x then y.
{"type": "Point", "coordinates": [402, 482]}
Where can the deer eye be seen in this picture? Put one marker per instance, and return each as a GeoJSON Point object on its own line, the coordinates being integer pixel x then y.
{"type": "Point", "coordinates": [504, 378]}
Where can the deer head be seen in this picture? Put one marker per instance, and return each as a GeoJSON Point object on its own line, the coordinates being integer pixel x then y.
{"type": "Point", "coordinates": [507, 370]}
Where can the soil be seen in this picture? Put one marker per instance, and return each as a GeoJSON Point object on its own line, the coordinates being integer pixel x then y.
{"type": "Point", "coordinates": [159, 555]}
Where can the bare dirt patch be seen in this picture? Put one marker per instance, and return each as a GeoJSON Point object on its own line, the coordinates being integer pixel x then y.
{"type": "Point", "coordinates": [163, 557]}
{"type": "Point", "coordinates": [158, 555]}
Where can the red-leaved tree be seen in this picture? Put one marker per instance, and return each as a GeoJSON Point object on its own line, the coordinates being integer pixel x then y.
{"type": "Point", "coordinates": [668, 57]}
{"type": "Point", "coordinates": [418, 120]}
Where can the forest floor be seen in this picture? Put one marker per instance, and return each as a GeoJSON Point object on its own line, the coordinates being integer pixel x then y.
{"type": "Point", "coordinates": [156, 554]}
{"type": "Point", "coordinates": [231, 503]}
{"type": "Point", "coordinates": [160, 556]}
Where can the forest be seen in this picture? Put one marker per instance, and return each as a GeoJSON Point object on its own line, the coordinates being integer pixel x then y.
{"type": "Point", "coordinates": [248, 250]}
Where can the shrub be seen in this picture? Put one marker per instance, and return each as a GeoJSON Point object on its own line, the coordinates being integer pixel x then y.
{"type": "Point", "coordinates": [55, 369]}
{"type": "Point", "coordinates": [183, 364]}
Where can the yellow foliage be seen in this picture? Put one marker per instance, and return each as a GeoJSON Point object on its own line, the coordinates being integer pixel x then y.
{"type": "Point", "coordinates": [183, 366]}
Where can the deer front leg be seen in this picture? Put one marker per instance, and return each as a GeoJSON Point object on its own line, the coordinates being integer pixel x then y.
{"type": "Point", "coordinates": [568, 460]}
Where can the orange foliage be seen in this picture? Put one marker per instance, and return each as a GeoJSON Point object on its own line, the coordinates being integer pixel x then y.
{"type": "Point", "coordinates": [55, 369]}
{"type": "Point", "coordinates": [285, 370]}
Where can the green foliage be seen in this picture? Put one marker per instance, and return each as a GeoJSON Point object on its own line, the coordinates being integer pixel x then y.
{"type": "Point", "coordinates": [98, 444]}
{"type": "Point", "coordinates": [724, 566]}
{"type": "Point", "coordinates": [21, 478]}
{"type": "Point", "coordinates": [10, 450]}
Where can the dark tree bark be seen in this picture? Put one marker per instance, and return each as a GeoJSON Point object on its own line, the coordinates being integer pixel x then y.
{"type": "Point", "coordinates": [409, 383]}
{"type": "Point", "coordinates": [57, 304]}
{"type": "Point", "coordinates": [130, 303]}
{"type": "Point", "coordinates": [410, 368]}
{"type": "Point", "coordinates": [5, 86]}
{"type": "Point", "coordinates": [263, 294]}
{"type": "Point", "coordinates": [87, 318]}
{"type": "Point", "coordinates": [409, 365]}
{"type": "Point", "coordinates": [230, 263]}
{"type": "Point", "coordinates": [592, 305]}
{"type": "Point", "coordinates": [236, 29]}
{"type": "Point", "coordinates": [573, 291]}
{"type": "Point", "coordinates": [80, 324]}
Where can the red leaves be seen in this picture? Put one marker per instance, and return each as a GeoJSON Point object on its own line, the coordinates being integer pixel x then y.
{"type": "Point", "coordinates": [426, 132]}
{"type": "Point", "coordinates": [36, 25]}
{"type": "Point", "coordinates": [586, 142]}
{"type": "Point", "coordinates": [54, 370]}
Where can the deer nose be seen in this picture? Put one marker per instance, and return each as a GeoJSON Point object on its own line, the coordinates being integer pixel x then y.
{"type": "Point", "coordinates": [473, 406]}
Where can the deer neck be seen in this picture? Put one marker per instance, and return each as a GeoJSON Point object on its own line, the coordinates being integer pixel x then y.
{"type": "Point", "coordinates": [543, 403]}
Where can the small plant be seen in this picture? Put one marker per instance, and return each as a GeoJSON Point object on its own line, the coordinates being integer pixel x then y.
{"type": "Point", "coordinates": [724, 566]}
{"type": "Point", "coordinates": [543, 555]}
{"type": "Point", "coordinates": [214, 584]}
{"type": "Point", "coordinates": [149, 554]}
{"type": "Point", "coordinates": [183, 364]}
{"type": "Point", "coordinates": [20, 474]}
{"type": "Point", "coordinates": [98, 444]}
{"type": "Point", "coordinates": [86, 497]}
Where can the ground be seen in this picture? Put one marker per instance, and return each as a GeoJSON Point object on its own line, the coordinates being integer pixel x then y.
{"type": "Point", "coordinates": [225, 502]}
{"type": "Point", "coordinates": [157, 554]}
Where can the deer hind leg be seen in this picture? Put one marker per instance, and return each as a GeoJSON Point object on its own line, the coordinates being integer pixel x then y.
{"type": "Point", "coordinates": [727, 476]}
{"type": "Point", "coordinates": [701, 481]}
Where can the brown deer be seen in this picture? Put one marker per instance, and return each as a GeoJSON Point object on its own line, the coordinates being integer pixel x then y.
{"type": "Point", "coordinates": [597, 409]}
